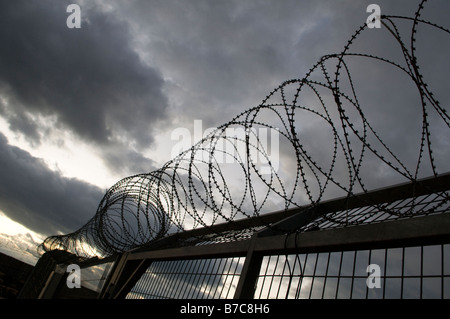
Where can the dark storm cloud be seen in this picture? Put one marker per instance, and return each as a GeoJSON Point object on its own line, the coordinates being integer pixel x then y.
{"type": "Point", "coordinates": [125, 161]}
{"type": "Point", "coordinates": [40, 199]}
{"type": "Point", "coordinates": [89, 78]}
{"type": "Point", "coordinates": [225, 56]}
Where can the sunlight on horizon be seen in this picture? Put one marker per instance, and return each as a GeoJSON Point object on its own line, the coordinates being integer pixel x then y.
{"type": "Point", "coordinates": [64, 154]}
{"type": "Point", "coordinates": [12, 228]}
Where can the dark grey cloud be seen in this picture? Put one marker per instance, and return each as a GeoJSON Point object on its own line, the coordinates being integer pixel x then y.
{"type": "Point", "coordinates": [89, 79]}
{"type": "Point", "coordinates": [127, 161]}
{"type": "Point", "coordinates": [39, 198]}
{"type": "Point", "coordinates": [224, 56]}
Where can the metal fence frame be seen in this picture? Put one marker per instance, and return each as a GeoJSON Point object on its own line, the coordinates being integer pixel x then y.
{"type": "Point", "coordinates": [271, 234]}
{"type": "Point", "coordinates": [280, 237]}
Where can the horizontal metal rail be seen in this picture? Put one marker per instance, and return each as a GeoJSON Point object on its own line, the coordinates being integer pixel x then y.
{"type": "Point", "coordinates": [280, 237]}
{"type": "Point", "coordinates": [284, 221]}
{"type": "Point", "coordinates": [407, 232]}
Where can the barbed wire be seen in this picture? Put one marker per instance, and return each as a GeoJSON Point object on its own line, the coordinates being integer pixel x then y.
{"type": "Point", "coordinates": [270, 157]}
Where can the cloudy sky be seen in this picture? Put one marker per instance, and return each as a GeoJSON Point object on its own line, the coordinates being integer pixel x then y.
{"type": "Point", "coordinates": [81, 108]}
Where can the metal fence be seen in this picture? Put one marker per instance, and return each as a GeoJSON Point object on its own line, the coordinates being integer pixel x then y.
{"type": "Point", "coordinates": [311, 252]}
{"type": "Point", "coordinates": [421, 272]}
{"type": "Point", "coordinates": [189, 279]}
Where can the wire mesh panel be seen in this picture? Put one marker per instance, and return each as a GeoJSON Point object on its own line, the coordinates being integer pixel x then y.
{"type": "Point", "coordinates": [189, 279]}
{"type": "Point", "coordinates": [430, 204]}
{"type": "Point", "coordinates": [94, 277]}
{"type": "Point", "coordinates": [411, 273]}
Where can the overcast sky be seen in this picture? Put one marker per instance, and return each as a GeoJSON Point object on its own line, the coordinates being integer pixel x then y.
{"type": "Point", "coordinates": [82, 108]}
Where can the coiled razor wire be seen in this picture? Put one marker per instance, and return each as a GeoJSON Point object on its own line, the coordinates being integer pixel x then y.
{"type": "Point", "coordinates": [327, 145]}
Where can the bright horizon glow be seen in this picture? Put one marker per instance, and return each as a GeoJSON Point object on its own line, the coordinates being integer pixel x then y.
{"type": "Point", "coordinates": [12, 228]}
{"type": "Point", "coordinates": [64, 153]}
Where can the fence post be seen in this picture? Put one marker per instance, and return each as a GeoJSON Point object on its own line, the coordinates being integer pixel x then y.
{"type": "Point", "coordinates": [118, 267]}
{"type": "Point", "coordinates": [250, 272]}
{"type": "Point", "coordinates": [46, 275]}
